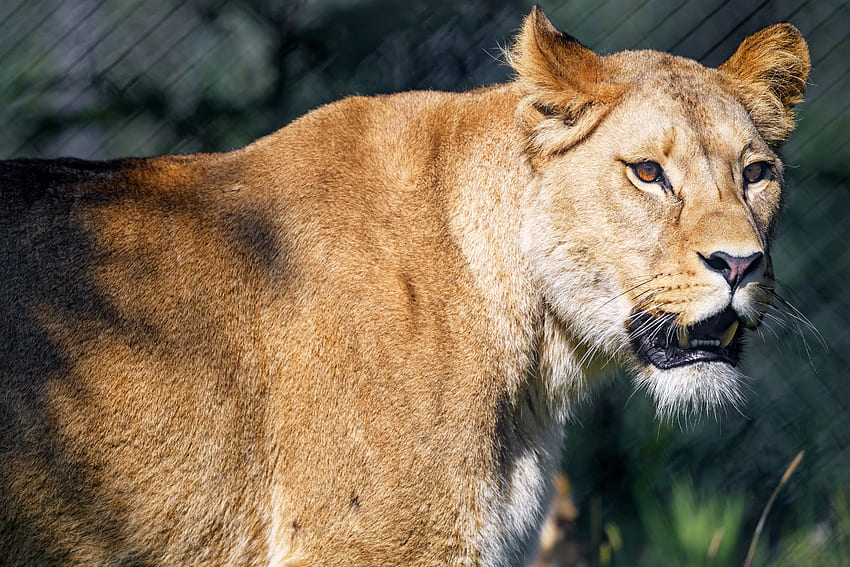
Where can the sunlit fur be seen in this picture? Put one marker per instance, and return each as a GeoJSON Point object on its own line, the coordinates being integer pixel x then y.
{"type": "Point", "coordinates": [358, 340]}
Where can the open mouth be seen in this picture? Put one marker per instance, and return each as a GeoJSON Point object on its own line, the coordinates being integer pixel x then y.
{"type": "Point", "coordinates": [656, 339]}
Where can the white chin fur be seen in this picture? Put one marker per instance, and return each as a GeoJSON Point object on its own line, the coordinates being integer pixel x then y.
{"type": "Point", "coordinates": [693, 390]}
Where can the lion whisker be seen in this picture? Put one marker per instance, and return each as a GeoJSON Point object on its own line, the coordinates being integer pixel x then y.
{"type": "Point", "coordinates": [634, 287]}
{"type": "Point", "coordinates": [798, 317]}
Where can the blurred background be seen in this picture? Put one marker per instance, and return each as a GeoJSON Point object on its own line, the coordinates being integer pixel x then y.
{"type": "Point", "coordinates": [106, 78]}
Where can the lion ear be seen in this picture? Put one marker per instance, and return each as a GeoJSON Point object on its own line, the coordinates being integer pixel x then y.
{"type": "Point", "coordinates": [771, 68]}
{"type": "Point", "coordinates": [565, 90]}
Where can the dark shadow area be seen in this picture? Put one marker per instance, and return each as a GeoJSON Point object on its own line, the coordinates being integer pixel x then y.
{"type": "Point", "coordinates": [103, 362]}
{"type": "Point", "coordinates": [46, 274]}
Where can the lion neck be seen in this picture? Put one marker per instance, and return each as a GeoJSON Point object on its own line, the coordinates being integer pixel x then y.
{"type": "Point", "coordinates": [544, 366]}
{"type": "Point", "coordinates": [545, 370]}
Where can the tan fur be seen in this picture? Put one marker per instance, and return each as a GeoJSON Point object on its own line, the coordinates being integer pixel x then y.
{"type": "Point", "coordinates": [356, 341]}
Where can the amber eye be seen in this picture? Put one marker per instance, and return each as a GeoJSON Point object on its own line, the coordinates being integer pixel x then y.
{"type": "Point", "coordinates": [648, 171]}
{"type": "Point", "coordinates": [755, 172]}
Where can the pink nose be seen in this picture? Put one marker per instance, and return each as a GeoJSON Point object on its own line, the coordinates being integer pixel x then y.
{"type": "Point", "coordinates": [733, 268]}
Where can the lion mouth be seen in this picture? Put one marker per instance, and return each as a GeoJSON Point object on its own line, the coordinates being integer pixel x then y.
{"type": "Point", "coordinates": [657, 340]}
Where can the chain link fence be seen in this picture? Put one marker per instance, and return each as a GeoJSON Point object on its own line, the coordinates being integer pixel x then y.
{"type": "Point", "coordinates": [107, 78]}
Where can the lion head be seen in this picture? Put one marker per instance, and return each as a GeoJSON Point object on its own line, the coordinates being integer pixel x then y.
{"type": "Point", "coordinates": [657, 186]}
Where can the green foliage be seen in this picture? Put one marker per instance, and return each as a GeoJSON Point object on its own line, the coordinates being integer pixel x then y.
{"type": "Point", "coordinates": [695, 528]}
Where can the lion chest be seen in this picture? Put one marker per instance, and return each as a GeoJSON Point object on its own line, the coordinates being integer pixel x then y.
{"type": "Point", "coordinates": [520, 494]}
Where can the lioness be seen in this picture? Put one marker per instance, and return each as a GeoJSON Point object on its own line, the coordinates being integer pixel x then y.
{"type": "Point", "coordinates": [356, 341]}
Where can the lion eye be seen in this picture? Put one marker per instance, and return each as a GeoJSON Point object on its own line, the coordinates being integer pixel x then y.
{"type": "Point", "coordinates": [755, 172]}
{"type": "Point", "coordinates": [648, 171]}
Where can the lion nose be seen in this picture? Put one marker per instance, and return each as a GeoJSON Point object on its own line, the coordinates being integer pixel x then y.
{"type": "Point", "coordinates": [733, 268]}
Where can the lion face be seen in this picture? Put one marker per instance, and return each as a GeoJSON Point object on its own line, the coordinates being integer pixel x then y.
{"type": "Point", "coordinates": [667, 238]}
{"type": "Point", "coordinates": [653, 208]}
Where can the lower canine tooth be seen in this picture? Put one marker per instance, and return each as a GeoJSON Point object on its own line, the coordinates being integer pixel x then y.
{"type": "Point", "coordinates": [729, 334]}
{"type": "Point", "coordinates": [683, 338]}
